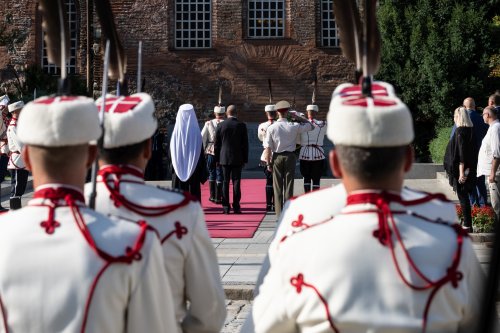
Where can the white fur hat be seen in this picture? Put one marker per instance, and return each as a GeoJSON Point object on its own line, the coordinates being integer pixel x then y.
{"type": "Point", "coordinates": [128, 119]}
{"type": "Point", "coordinates": [16, 106]}
{"type": "Point", "coordinates": [379, 121]}
{"type": "Point", "coordinates": [59, 121]}
{"type": "Point", "coordinates": [220, 109]}
{"type": "Point", "coordinates": [312, 107]}
{"type": "Point", "coordinates": [270, 108]}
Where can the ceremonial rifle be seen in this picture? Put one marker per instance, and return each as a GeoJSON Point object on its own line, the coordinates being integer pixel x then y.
{"type": "Point", "coordinates": [100, 142]}
{"type": "Point", "coordinates": [313, 98]}
{"type": "Point", "coordinates": [220, 93]}
{"type": "Point", "coordinates": [270, 91]}
{"type": "Point", "coordinates": [115, 63]}
{"type": "Point", "coordinates": [139, 67]}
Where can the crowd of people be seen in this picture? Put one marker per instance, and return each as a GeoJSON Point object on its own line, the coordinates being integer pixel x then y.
{"type": "Point", "coordinates": [472, 157]}
{"type": "Point", "coordinates": [352, 257]}
{"type": "Point", "coordinates": [225, 145]}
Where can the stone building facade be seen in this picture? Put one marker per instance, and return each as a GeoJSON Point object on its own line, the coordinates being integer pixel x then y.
{"type": "Point", "coordinates": [191, 47]}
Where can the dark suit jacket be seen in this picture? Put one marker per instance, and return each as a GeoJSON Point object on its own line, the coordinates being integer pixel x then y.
{"type": "Point", "coordinates": [231, 142]}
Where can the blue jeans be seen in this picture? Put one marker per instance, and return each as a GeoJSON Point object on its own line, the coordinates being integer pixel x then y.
{"type": "Point", "coordinates": [214, 173]}
{"type": "Point", "coordinates": [478, 196]}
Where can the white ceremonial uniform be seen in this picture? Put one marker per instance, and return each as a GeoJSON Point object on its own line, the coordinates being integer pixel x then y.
{"type": "Point", "coordinates": [281, 136]}
{"type": "Point", "coordinates": [4, 146]}
{"type": "Point", "coordinates": [312, 142]}
{"type": "Point", "coordinates": [190, 258]}
{"type": "Point", "coordinates": [15, 146]}
{"type": "Point", "coordinates": [67, 268]}
{"type": "Point", "coordinates": [261, 134]}
{"type": "Point", "coordinates": [208, 135]}
{"type": "Point", "coordinates": [352, 284]}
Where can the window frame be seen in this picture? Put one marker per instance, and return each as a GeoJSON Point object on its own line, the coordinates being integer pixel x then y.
{"type": "Point", "coordinates": [254, 14]}
{"type": "Point", "coordinates": [183, 32]}
{"type": "Point", "coordinates": [331, 23]}
{"type": "Point", "coordinates": [71, 64]}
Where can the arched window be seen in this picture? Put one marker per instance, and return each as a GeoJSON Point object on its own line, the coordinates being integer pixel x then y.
{"type": "Point", "coordinates": [73, 32]}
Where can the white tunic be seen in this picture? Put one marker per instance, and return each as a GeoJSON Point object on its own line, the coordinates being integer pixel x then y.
{"type": "Point", "coordinates": [190, 258]}
{"type": "Point", "coordinates": [62, 274]}
{"type": "Point", "coordinates": [4, 146]}
{"type": "Point", "coordinates": [261, 134]}
{"type": "Point", "coordinates": [208, 135]}
{"type": "Point", "coordinates": [15, 147]}
{"type": "Point", "coordinates": [334, 275]}
{"type": "Point", "coordinates": [312, 142]}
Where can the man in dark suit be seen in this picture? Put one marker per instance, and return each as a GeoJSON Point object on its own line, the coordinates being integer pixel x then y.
{"type": "Point", "coordinates": [231, 152]}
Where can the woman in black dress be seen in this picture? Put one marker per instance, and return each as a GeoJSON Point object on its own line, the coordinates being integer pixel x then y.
{"type": "Point", "coordinates": [460, 162]}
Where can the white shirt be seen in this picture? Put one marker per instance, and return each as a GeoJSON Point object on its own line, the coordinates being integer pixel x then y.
{"type": "Point", "coordinates": [282, 135]}
{"type": "Point", "coordinates": [190, 258]}
{"type": "Point", "coordinates": [208, 135]}
{"type": "Point", "coordinates": [15, 146]}
{"type": "Point", "coordinates": [348, 274]}
{"type": "Point", "coordinates": [312, 142]}
{"type": "Point", "coordinates": [261, 134]}
{"type": "Point", "coordinates": [490, 148]}
{"type": "Point", "coordinates": [55, 279]}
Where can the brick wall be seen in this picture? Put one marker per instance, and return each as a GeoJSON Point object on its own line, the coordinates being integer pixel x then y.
{"type": "Point", "coordinates": [242, 66]}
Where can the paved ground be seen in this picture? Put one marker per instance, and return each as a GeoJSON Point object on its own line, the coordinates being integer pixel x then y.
{"type": "Point", "coordinates": [240, 259]}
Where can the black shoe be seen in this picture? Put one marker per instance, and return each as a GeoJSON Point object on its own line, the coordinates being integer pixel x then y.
{"type": "Point", "coordinates": [3, 209]}
{"type": "Point", "coordinates": [212, 199]}
{"type": "Point", "coordinates": [269, 208]}
{"type": "Point", "coordinates": [237, 211]}
{"type": "Point", "coordinates": [225, 210]}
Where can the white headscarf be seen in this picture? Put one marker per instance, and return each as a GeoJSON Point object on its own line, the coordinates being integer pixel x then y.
{"type": "Point", "coordinates": [185, 145]}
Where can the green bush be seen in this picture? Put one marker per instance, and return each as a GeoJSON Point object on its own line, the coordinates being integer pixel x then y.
{"type": "Point", "coordinates": [437, 146]}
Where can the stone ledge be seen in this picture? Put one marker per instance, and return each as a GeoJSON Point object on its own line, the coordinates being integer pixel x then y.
{"type": "Point", "coordinates": [239, 292]}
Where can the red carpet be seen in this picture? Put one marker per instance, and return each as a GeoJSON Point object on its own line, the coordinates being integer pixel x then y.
{"type": "Point", "coordinates": [253, 208]}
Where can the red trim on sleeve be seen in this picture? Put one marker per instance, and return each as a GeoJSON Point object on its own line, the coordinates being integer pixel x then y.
{"type": "Point", "coordinates": [298, 282]}
{"type": "Point", "coordinates": [111, 177]}
{"type": "Point", "coordinates": [179, 231]}
{"type": "Point", "coordinates": [91, 295]}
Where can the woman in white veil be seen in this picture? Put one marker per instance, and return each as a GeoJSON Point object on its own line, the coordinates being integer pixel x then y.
{"type": "Point", "coordinates": [186, 152]}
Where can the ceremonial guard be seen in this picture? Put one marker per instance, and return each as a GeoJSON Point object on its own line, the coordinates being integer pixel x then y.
{"type": "Point", "coordinates": [208, 138]}
{"type": "Point", "coordinates": [4, 147]}
{"type": "Point", "coordinates": [190, 259]}
{"type": "Point", "coordinates": [312, 156]}
{"type": "Point", "coordinates": [63, 266]}
{"type": "Point", "coordinates": [390, 284]}
{"type": "Point", "coordinates": [261, 133]}
{"type": "Point", "coordinates": [18, 172]}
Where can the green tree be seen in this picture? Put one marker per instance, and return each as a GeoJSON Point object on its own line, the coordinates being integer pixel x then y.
{"type": "Point", "coordinates": [436, 53]}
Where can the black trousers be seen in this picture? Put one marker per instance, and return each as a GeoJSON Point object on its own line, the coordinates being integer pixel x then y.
{"type": "Point", "coordinates": [18, 181]}
{"type": "Point", "coordinates": [231, 173]}
{"type": "Point", "coordinates": [312, 170]}
{"type": "Point", "coordinates": [4, 160]}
